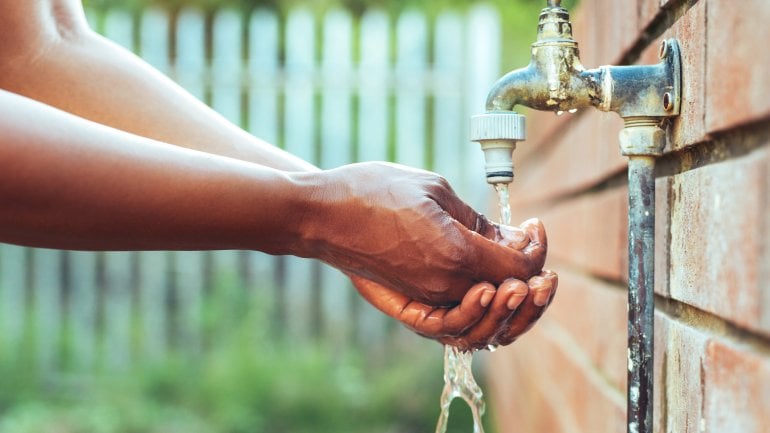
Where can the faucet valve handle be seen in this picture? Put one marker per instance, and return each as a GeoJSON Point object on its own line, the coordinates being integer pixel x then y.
{"type": "Point", "coordinates": [497, 132]}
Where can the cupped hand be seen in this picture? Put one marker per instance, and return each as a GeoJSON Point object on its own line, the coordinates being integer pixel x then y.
{"type": "Point", "coordinates": [487, 315]}
{"type": "Point", "coordinates": [406, 229]}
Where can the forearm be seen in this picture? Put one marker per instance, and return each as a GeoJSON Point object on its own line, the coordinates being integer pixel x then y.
{"type": "Point", "coordinates": [91, 77]}
{"type": "Point", "coordinates": [69, 183]}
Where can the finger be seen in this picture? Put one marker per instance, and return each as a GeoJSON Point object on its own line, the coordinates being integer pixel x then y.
{"type": "Point", "coordinates": [468, 313]}
{"type": "Point", "coordinates": [514, 237]}
{"type": "Point", "coordinates": [509, 296]}
{"type": "Point", "coordinates": [487, 260]}
{"type": "Point", "coordinates": [458, 210]}
{"type": "Point", "coordinates": [554, 280]}
{"type": "Point", "coordinates": [428, 321]}
{"type": "Point", "coordinates": [538, 246]}
{"type": "Point", "coordinates": [388, 301]}
{"type": "Point", "coordinates": [529, 312]}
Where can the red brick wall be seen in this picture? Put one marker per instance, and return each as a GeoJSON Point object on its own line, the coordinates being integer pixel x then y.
{"type": "Point", "coordinates": [712, 342]}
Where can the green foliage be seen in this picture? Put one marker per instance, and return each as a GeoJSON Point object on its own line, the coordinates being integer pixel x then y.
{"type": "Point", "coordinates": [246, 381]}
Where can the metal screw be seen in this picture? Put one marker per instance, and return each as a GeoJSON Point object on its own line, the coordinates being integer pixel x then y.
{"type": "Point", "coordinates": [667, 103]}
{"type": "Point", "coordinates": [663, 50]}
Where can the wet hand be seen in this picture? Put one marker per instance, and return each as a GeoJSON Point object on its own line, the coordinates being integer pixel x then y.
{"type": "Point", "coordinates": [487, 315]}
{"type": "Point", "coordinates": [406, 229]}
{"type": "Point", "coordinates": [501, 326]}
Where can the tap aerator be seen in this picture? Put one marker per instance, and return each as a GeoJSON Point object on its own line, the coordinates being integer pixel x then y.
{"type": "Point", "coordinates": [498, 132]}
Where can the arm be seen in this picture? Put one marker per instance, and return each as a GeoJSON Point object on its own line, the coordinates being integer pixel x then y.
{"type": "Point", "coordinates": [71, 183]}
{"type": "Point", "coordinates": [50, 55]}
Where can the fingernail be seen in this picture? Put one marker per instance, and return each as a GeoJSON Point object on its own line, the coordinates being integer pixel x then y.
{"type": "Point", "coordinates": [514, 236]}
{"type": "Point", "coordinates": [486, 297]}
{"type": "Point", "coordinates": [515, 300]}
{"type": "Point", "coordinates": [541, 297]}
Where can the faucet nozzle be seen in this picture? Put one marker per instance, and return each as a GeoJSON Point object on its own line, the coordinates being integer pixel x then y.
{"type": "Point", "coordinates": [497, 132]}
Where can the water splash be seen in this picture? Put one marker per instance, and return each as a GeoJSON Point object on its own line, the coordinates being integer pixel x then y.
{"type": "Point", "coordinates": [459, 382]}
{"type": "Point", "coordinates": [458, 375]}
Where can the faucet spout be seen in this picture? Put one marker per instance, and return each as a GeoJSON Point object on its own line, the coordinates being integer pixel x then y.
{"type": "Point", "coordinates": [554, 80]}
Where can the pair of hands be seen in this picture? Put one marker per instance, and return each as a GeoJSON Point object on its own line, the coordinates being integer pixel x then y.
{"type": "Point", "coordinates": [486, 316]}
{"type": "Point", "coordinates": [420, 254]}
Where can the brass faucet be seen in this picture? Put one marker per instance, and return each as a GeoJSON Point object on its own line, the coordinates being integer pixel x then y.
{"type": "Point", "coordinates": [555, 80]}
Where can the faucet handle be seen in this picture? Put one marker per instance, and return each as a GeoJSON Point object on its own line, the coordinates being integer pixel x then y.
{"type": "Point", "coordinates": [497, 132]}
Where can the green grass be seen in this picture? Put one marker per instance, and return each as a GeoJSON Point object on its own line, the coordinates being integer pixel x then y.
{"type": "Point", "coordinates": [246, 381]}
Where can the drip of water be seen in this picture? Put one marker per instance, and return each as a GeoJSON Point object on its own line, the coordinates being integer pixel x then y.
{"type": "Point", "coordinates": [458, 376]}
{"type": "Point", "coordinates": [459, 382]}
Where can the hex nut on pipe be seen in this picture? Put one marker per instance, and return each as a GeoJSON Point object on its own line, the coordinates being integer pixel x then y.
{"type": "Point", "coordinates": [642, 139]}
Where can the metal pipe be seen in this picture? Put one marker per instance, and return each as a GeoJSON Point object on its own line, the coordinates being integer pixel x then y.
{"type": "Point", "coordinates": [641, 306]}
{"type": "Point", "coordinates": [643, 95]}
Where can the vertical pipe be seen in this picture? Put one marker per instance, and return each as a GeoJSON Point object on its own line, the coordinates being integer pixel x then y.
{"type": "Point", "coordinates": [641, 307]}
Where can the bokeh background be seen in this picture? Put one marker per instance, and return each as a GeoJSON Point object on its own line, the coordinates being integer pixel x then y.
{"type": "Point", "coordinates": [237, 341]}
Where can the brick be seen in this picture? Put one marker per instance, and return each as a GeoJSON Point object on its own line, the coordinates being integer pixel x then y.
{"type": "Point", "coordinates": [764, 234]}
{"type": "Point", "coordinates": [736, 388]}
{"type": "Point", "coordinates": [660, 360]}
{"type": "Point", "coordinates": [576, 237]}
{"type": "Point", "coordinates": [737, 70]}
{"type": "Point", "coordinates": [716, 252]}
{"type": "Point", "coordinates": [662, 232]}
{"type": "Point", "coordinates": [554, 390]}
{"type": "Point", "coordinates": [586, 153]}
{"type": "Point", "coordinates": [594, 314]}
{"type": "Point", "coordinates": [543, 129]}
{"type": "Point", "coordinates": [608, 29]}
{"type": "Point", "coordinates": [648, 10]}
{"type": "Point", "coordinates": [690, 30]}
{"type": "Point", "coordinates": [681, 397]}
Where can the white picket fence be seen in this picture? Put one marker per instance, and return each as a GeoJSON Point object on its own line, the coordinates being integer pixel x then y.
{"type": "Point", "coordinates": [405, 95]}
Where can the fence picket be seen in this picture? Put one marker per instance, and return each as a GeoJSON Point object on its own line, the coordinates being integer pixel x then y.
{"type": "Point", "coordinates": [337, 150]}
{"type": "Point", "coordinates": [263, 75]}
{"type": "Point", "coordinates": [118, 27]}
{"type": "Point", "coordinates": [448, 113]}
{"type": "Point", "coordinates": [299, 129]}
{"type": "Point", "coordinates": [153, 42]}
{"type": "Point", "coordinates": [190, 62]}
{"type": "Point", "coordinates": [117, 291]}
{"type": "Point", "coordinates": [482, 54]}
{"type": "Point", "coordinates": [46, 306]}
{"type": "Point", "coordinates": [263, 119]}
{"type": "Point", "coordinates": [13, 288]}
{"type": "Point", "coordinates": [153, 286]}
{"type": "Point", "coordinates": [82, 309]}
{"type": "Point", "coordinates": [372, 140]}
{"type": "Point", "coordinates": [226, 65]}
{"type": "Point", "coordinates": [187, 302]}
{"type": "Point", "coordinates": [411, 66]}
{"type": "Point", "coordinates": [373, 130]}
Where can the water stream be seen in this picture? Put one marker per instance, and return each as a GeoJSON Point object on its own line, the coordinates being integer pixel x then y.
{"type": "Point", "coordinates": [458, 375]}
